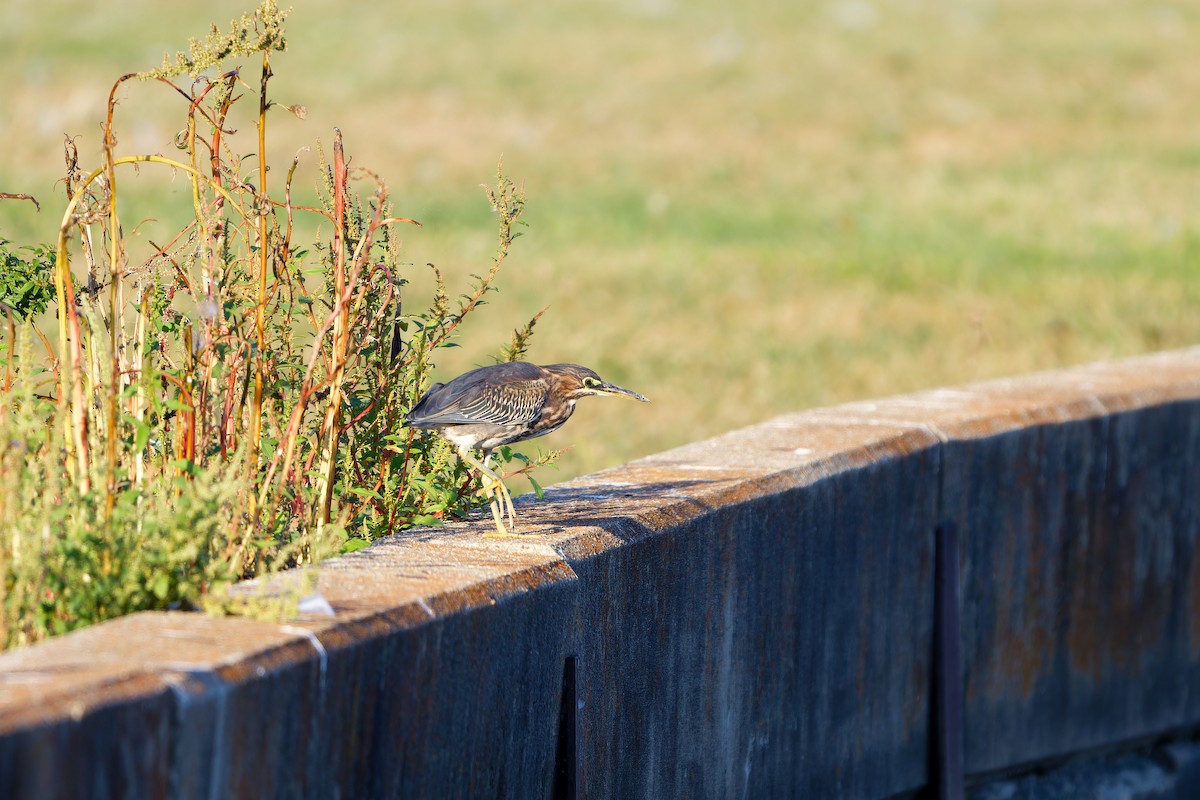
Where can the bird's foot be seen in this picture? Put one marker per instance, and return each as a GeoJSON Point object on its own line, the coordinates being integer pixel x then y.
{"type": "Point", "coordinates": [501, 506]}
{"type": "Point", "coordinates": [502, 533]}
{"type": "Point", "coordinates": [496, 507]}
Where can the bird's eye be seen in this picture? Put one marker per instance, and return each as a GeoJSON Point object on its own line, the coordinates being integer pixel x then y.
{"type": "Point", "coordinates": [591, 383]}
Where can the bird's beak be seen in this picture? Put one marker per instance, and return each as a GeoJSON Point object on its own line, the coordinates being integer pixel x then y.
{"type": "Point", "coordinates": [612, 388]}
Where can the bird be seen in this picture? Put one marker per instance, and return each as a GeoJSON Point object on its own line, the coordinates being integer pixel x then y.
{"type": "Point", "coordinates": [504, 403]}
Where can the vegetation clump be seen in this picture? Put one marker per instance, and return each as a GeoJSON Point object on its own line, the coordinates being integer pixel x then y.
{"type": "Point", "coordinates": [178, 415]}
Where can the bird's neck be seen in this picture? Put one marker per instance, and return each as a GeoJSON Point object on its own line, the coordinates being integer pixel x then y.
{"type": "Point", "coordinates": [554, 417]}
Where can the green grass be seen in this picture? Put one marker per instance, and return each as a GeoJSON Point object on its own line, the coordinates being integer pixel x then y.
{"type": "Point", "coordinates": [738, 210]}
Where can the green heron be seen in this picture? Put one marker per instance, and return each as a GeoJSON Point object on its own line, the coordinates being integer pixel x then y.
{"type": "Point", "coordinates": [501, 404]}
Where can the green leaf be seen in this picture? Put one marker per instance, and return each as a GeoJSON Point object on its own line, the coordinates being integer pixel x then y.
{"type": "Point", "coordinates": [537, 488]}
{"type": "Point", "coordinates": [141, 436]}
{"type": "Point", "coordinates": [186, 466]}
{"type": "Point", "coordinates": [160, 585]}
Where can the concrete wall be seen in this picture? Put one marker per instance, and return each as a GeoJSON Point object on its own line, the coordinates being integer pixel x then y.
{"type": "Point", "coordinates": [750, 616]}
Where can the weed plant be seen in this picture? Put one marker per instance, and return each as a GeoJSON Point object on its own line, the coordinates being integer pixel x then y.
{"type": "Point", "coordinates": [229, 402]}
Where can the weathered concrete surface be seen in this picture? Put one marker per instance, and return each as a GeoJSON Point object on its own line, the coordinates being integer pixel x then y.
{"type": "Point", "coordinates": [1077, 495]}
{"type": "Point", "coordinates": [749, 616]}
{"type": "Point", "coordinates": [776, 649]}
{"type": "Point", "coordinates": [1079, 585]}
{"type": "Point", "coordinates": [95, 713]}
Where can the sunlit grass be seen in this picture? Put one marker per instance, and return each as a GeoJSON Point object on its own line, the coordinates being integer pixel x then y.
{"type": "Point", "coordinates": [737, 209]}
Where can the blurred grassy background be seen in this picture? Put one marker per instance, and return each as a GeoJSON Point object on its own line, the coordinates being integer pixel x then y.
{"type": "Point", "coordinates": [737, 211]}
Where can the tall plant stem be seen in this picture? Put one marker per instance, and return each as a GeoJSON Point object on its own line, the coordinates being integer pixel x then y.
{"type": "Point", "coordinates": [341, 333]}
{"type": "Point", "coordinates": [116, 317]}
{"type": "Point", "coordinates": [255, 432]}
{"type": "Point", "coordinates": [70, 382]}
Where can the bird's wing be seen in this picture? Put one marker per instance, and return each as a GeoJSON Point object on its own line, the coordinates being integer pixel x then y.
{"type": "Point", "coordinates": [510, 403]}
{"type": "Point", "coordinates": [477, 397]}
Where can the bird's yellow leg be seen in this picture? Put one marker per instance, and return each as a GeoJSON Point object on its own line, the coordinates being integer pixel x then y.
{"type": "Point", "coordinates": [506, 504]}
{"type": "Point", "coordinates": [502, 495]}
{"type": "Point", "coordinates": [501, 504]}
{"type": "Point", "coordinates": [501, 531]}
{"type": "Point", "coordinates": [501, 500]}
